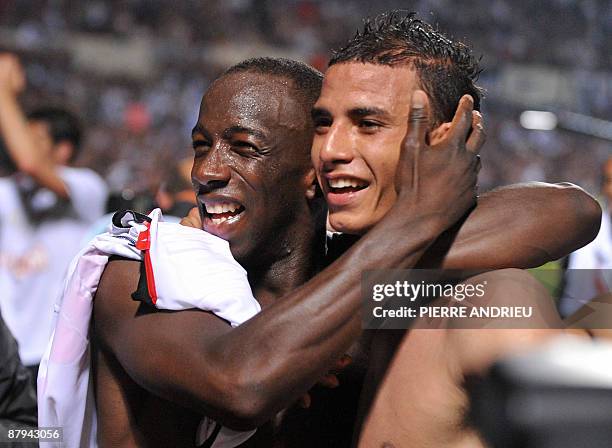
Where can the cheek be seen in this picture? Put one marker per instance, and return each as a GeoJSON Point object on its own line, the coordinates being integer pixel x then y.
{"type": "Point", "coordinates": [315, 151]}
{"type": "Point", "coordinates": [383, 161]}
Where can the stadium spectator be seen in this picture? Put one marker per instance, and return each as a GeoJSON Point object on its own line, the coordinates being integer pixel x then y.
{"type": "Point", "coordinates": [175, 195]}
{"type": "Point", "coordinates": [47, 204]}
{"type": "Point", "coordinates": [188, 56]}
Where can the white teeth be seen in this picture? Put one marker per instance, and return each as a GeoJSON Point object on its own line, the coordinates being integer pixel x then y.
{"type": "Point", "coordinates": [222, 207]}
{"type": "Point", "coordinates": [218, 220]}
{"type": "Point", "coordinates": [343, 182]}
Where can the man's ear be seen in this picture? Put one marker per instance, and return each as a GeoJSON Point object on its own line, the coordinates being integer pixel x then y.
{"type": "Point", "coordinates": [62, 152]}
{"type": "Point", "coordinates": [310, 181]}
{"type": "Point", "coordinates": [437, 134]}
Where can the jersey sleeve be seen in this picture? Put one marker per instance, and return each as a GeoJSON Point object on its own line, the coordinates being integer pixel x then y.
{"type": "Point", "coordinates": [87, 191]}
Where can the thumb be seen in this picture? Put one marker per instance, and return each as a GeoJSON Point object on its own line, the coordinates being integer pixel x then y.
{"type": "Point", "coordinates": [418, 120]}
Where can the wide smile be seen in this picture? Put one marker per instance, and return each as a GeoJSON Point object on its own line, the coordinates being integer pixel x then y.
{"type": "Point", "coordinates": [343, 190]}
{"type": "Point", "coordinates": [221, 216]}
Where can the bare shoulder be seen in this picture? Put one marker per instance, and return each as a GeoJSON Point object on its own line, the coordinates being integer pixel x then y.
{"type": "Point", "coordinates": [523, 314]}
{"type": "Point", "coordinates": [113, 302]}
{"type": "Point", "coordinates": [117, 316]}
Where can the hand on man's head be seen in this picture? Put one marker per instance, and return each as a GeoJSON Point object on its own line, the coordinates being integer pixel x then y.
{"type": "Point", "coordinates": [476, 139]}
{"type": "Point", "coordinates": [440, 177]}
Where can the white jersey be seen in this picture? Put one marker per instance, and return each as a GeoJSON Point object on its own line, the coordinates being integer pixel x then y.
{"type": "Point", "coordinates": [39, 235]}
{"type": "Point", "coordinates": [185, 268]}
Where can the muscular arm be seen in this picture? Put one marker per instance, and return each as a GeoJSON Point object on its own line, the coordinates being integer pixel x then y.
{"type": "Point", "coordinates": [20, 143]}
{"type": "Point", "coordinates": [242, 376]}
{"type": "Point", "coordinates": [523, 226]}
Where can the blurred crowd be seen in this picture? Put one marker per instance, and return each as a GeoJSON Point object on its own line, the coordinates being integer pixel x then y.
{"type": "Point", "coordinates": [130, 74]}
{"type": "Point", "coordinates": [138, 121]}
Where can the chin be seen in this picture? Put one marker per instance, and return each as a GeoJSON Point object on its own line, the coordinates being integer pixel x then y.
{"type": "Point", "coordinates": [344, 224]}
{"type": "Point", "coordinates": [238, 252]}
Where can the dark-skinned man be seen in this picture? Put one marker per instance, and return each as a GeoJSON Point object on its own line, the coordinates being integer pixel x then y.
{"type": "Point", "coordinates": [243, 376]}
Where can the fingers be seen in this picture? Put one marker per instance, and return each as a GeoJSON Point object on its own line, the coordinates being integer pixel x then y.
{"type": "Point", "coordinates": [330, 381]}
{"type": "Point", "coordinates": [478, 136]}
{"type": "Point", "coordinates": [418, 120]}
{"type": "Point", "coordinates": [343, 362]}
{"type": "Point", "coordinates": [438, 134]}
{"type": "Point", "coordinates": [462, 121]}
{"type": "Point", "coordinates": [305, 401]}
{"type": "Point", "coordinates": [192, 219]}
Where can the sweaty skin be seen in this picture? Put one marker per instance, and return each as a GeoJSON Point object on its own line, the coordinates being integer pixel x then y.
{"type": "Point", "coordinates": [419, 400]}
{"type": "Point", "coordinates": [419, 378]}
{"type": "Point", "coordinates": [243, 376]}
{"type": "Point", "coordinates": [359, 129]}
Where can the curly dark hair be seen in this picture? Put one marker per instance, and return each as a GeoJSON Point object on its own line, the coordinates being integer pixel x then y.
{"type": "Point", "coordinates": [446, 69]}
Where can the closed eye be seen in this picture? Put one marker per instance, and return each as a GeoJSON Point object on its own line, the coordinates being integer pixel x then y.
{"type": "Point", "coordinates": [243, 144]}
{"type": "Point", "coordinates": [321, 119]}
{"type": "Point", "coordinates": [321, 124]}
{"type": "Point", "coordinates": [369, 125]}
{"type": "Point", "coordinates": [247, 149]}
{"type": "Point", "coordinates": [200, 146]}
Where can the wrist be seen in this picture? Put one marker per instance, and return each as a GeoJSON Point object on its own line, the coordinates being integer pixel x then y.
{"type": "Point", "coordinates": [410, 218]}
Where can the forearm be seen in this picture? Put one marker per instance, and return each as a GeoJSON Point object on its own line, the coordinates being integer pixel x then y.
{"type": "Point", "coordinates": [280, 359]}
{"type": "Point", "coordinates": [16, 134]}
{"type": "Point", "coordinates": [22, 147]}
{"type": "Point", "coordinates": [519, 226]}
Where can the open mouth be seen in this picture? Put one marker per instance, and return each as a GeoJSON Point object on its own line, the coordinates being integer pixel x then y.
{"type": "Point", "coordinates": [344, 185]}
{"type": "Point", "coordinates": [221, 212]}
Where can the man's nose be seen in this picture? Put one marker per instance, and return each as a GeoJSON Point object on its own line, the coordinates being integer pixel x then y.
{"type": "Point", "coordinates": [212, 170]}
{"type": "Point", "coordinates": [336, 146]}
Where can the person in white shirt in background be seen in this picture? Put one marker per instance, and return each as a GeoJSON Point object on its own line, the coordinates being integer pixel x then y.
{"type": "Point", "coordinates": [45, 206]}
{"type": "Point", "coordinates": [581, 285]}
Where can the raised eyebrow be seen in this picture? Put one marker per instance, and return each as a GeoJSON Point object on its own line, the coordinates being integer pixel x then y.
{"type": "Point", "coordinates": [244, 130]}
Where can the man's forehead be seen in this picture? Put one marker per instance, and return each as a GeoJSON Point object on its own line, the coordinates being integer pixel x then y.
{"type": "Point", "coordinates": [371, 84]}
{"type": "Point", "coordinates": [255, 98]}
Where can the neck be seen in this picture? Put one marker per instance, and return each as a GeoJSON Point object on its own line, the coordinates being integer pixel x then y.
{"type": "Point", "coordinates": [298, 258]}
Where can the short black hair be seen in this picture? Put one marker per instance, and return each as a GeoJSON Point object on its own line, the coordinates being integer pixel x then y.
{"type": "Point", "coordinates": [446, 69]}
{"type": "Point", "coordinates": [63, 125]}
{"type": "Point", "coordinates": [307, 79]}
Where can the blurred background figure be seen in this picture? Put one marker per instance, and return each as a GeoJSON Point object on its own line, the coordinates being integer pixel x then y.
{"type": "Point", "coordinates": [17, 396]}
{"type": "Point", "coordinates": [45, 206]}
{"type": "Point", "coordinates": [175, 195]}
{"type": "Point", "coordinates": [589, 273]}
{"type": "Point", "coordinates": [135, 72]}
